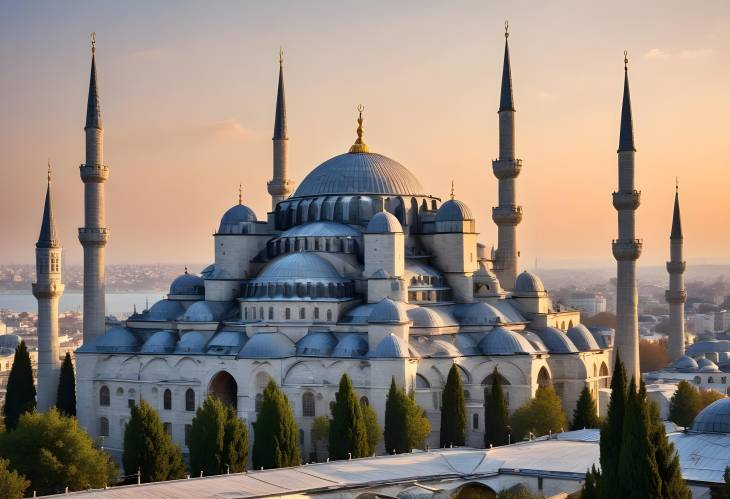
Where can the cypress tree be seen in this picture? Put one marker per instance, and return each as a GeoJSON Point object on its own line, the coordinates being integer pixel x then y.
{"type": "Point", "coordinates": [396, 421]}
{"type": "Point", "coordinates": [207, 438]}
{"type": "Point", "coordinates": [149, 448]}
{"type": "Point", "coordinates": [540, 415]}
{"type": "Point", "coordinates": [584, 415]}
{"type": "Point", "coordinates": [66, 394]}
{"type": "Point", "coordinates": [419, 427]}
{"type": "Point", "coordinates": [20, 391]}
{"type": "Point", "coordinates": [276, 439]}
{"type": "Point", "coordinates": [637, 469]}
{"type": "Point", "coordinates": [372, 428]}
{"type": "Point", "coordinates": [590, 487]}
{"type": "Point", "coordinates": [667, 459]}
{"type": "Point", "coordinates": [612, 434]}
{"type": "Point", "coordinates": [496, 415]}
{"type": "Point", "coordinates": [235, 443]}
{"type": "Point", "coordinates": [684, 405]}
{"type": "Point", "coordinates": [348, 435]}
{"type": "Point", "coordinates": [453, 410]}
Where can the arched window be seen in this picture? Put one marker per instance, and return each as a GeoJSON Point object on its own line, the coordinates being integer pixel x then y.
{"type": "Point", "coordinates": [103, 427]}
{"type": "Point", "coordinates": [308, 405]}
{"type": "Point", "coordinates": [475, 421]}
{"type": "Point", "coordinates": [316, 312]}
{"type": "Point", "coordinates": [364, 401]}
{"type": "Point", "coordinates": [467, 395]}
{"type": "Point", "coordinates": [603, 373]}
{"type": "Point", "coordinates": [104, 396]}
{"type": "Point", "coordinates": [167, 400]}
{"type": "Point", "coordinates": [271, 313]}
{"type": "Point", "coordinates": [329, 315]}
{"type": "Point", "coordinates": [302, 313]}
{"type": "Point", "coordinates": [259, 401]}
{"type": "Point", "coordinates": [189, 400]}
{"type": "Point", "coordinates": [710, 379]}
{"type": "Point", "coordinates": [287, 313]}
{"type": "Point", "coordinates": [543, 377]}
{"type": "Point", "coordinates": [301, 436]}
{"type": "Point", "coordinates": [697, 380]}
{"type": "Point", "coordinates": [422, 383]}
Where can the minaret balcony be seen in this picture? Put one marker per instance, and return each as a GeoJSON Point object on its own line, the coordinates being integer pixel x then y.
{"type": "Point", "coordinates": [50, 289]}
{"type": "Point", "coordinates": [280, 187]}
{"type": "Point", "coordinates": [94, 173]}
{"type": "Point", "coordinates": [676, 267]}
{"type": "Point", "coordinates": [626, 249]}
{"type": "Point", "coordinates": [506, 168]}
{"type": "Point", "coordinates": [507, 215]}
{"type": "Point", "coordinates": [93, 236]}
{"type": "Point", "coordinates": [626, 200]}
{"type": "Point", "coordinates": [673, 296]}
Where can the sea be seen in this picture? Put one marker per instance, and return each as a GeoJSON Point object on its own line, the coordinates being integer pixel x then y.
{"type": "Point", "coordinates": [118, 304]}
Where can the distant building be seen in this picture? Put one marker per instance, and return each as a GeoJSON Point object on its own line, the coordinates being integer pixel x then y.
{"type": "Point", "coordinates": [701, 323]}
{"type": "Point", "coordinates": [588, 303]}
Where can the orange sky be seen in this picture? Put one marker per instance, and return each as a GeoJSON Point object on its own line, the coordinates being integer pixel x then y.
{"type": "Point", "coordinates": [188, 95]}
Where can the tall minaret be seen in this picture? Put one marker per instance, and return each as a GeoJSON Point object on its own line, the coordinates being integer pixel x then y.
{"type": "Point", "coordinates": [280, 186]}
{"type": "Point", "coordinates": [48, 290]}
{"type": "Point", "coordinates": [508, 214]}
{"type": "Point", "coordinates": [94, 234]}
{"type": "Point", "coordinates": [676, 295]}
{"type": "Point", "coordinates": [627, 249]}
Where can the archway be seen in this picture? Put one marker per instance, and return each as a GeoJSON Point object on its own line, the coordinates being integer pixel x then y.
{"type": "Point", "coordinates": [224, 387]}
{"type": "Point", "coordinates": [543, 377]}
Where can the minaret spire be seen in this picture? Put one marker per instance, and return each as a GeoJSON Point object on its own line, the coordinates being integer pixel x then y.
{"type": "Point", "coordinates": [360, 146]}
{"type": "Point", "coordinates": [93, 103]}
{"type": "Point", "coordinates": [676, 294]}
{"type": "Point", "coordinates": [627, 249]}
{"type": "Point", "coordinates": [280, 186]}
{"type": "Point", "coordinates": [507, 168]}
{"type": "Point", "coordinates": [47, 237]}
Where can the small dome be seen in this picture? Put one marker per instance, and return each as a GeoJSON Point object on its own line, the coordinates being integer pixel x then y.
{"type": "Point", "coordinates": [466, 344]}
{"type": "Point", "coordinates": [391, 346]}
{"type": "Point", "coordinates": [685, 364]}
{"type": "Point", "coordinates": [307, 266]}
{"type": "Point", "coordinates": [556, 341]}
{"type": "Point", "coordinates": [389, 311]}
{"type": "Point", "coordinates": [187, 284]}
{"type": "Point", "coordinates": [321, 229]}
{"type": "Point", "coordinates": [582, 338]}
{"type": "Point", "coordinates": [191, 342]}
{"type": "Point", "coordinates": [205, 311]}
{"type": "Point", "coordinates": [528, 283]}
{"type": "Point", "coordinates": [535, 341]}
{"type": "Point", "coordinates": [425, 317]}
{"type": "Point", "coordinates": [317, 344]}
{"type": "Point", "coordinates": [207, 271]}
{"type": "Point", "coordinates": [502, 341]}
{"type": "Point", "coordinates": [478, 314]}
{"type": "Point", "coordinates": [453, 210]}
{"type": "Point", "coordinates": [117, 340]}
{"type": "Point", "coordinates": [384, 223]}
{"type": "Point", "coordinates": [227, 342]}
{"type": "Point", "coordinates": [358, 314]}
{"type": "Point", "coordinates": [238, 214]}
{"type": "Point", "coordinates": [705, 346]}
{"type": "Point", "coordinates": [9, 341]}
{"type": "Point", "coordinates": [715, 418]}
{"type": "Point", "coordinates": [442, 348]}
{"type": "Point", "coordinates": [160, 342]}
{"type": "Point", "coordinates": [352, 345]}
{"type": "Point", "coordinates": [265, 345]}
{"type": "Point", "coordinates": [707, 366]}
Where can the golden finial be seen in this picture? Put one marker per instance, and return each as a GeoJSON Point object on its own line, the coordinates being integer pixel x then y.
{"type": "Point", "coordinates": [676, 184]}
{"type": "Point", "coordinates": [49, 170]}
{"type": "Point", "coordinates": [281, 55]}
{"type": "Point", "coordinates": [506, 29]}
{"type": "Point", "coordinates": [452, 189]}
{"type": "Point", "coordinates": [93, 42]}
{"type": "Point", "coordinates": [626, 60]}
{"type": "Point", "coordinates": [359, 146]}
{"type": "Point", "coordinates": [240, 193]}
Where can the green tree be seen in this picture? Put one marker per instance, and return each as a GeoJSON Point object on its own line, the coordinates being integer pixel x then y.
{"type": "Point", "coordinates": [590, 490]}
{"type": "Point", "coordinates": [219, 440]}
{"type": "Point", "coordinates": [684, 405]}
{"type": "Point", "coordinates": [148, 448]}
{"type": "Point", "coordinates": [320, 436]}
{"type": "Point", "coordinates": [66, 395]}
{"type": "Point", "coordinates": [348, 435]}
{"type": "Point", "coordinates": [396, 421]}
{"type": "Point", "coordinates": [372, 428]}
{"type": "Point", "coordinates": [637, 462]}
{"type": "Point", "coordinates": [708, 396]}
{"type": "Point", "coordinates": [53, 453]}
{"type": "Point", "coordinates": [612, 433]}
{"type": "Point", "coordinates": [496, 414]}
{"type": "Point", "coordinates": [276, 436]}
{"type": "Point", "coordinates": [584, 414]}
{"type": "Point", "coordinates": [235, 442]}
{"type": "Point", "coordinates": [419, 426]}
{"type": "Point", "coordinates": [12, 484]}
{"type": "Point", "coordinates": [519, 491]}
{"type": "Point", "coordinates": [20, 391]}
{"type": "Point", "coordinates": [667, 459]}
{"type": "Point", "coordinates": [453, 411]}
{"type": "Point", "coordinates": [540, 416]}
{"type": "Point", "coordinates": [726, 476]}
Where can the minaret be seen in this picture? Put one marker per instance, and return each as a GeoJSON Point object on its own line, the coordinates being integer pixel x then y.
{"type": "Point", "coordinates": [627, 249]}
{"type": "Point", "coordinates": [676, 295]}
{"type": "Point", "coordinates": [280, 186]}
{"type": "Point", "coordinates": [48, 290]}
{"type": "Point", "coordinates": [508, 214]}
{"type": "Point", "coordinates": [94, 234]}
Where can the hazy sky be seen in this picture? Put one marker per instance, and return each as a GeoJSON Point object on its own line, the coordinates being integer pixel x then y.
{"type": "Point", "coordinates": [188, 93]}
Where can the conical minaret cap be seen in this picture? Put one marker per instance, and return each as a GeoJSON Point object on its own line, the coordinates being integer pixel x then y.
{"type": "Point", "coordinates": [676, 219]}
{"type": "Point", "coordinates": [48, 237]}
{"type": "Point", "coordinates": [626, 136]}
{"type": "Point", "coordinates": [93, 105]}
{"type": "Point", "coordinates": [506, 101]}
{"type": "Point", "coordinates": [280, 119]}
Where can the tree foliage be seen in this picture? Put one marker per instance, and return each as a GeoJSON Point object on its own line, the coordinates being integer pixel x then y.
{"type": "Point", "coordinates": [612, 433]}
{"type": "Point", "coordinates": [372, 429]}
{"type": "Point", "coordinates": [419, 426]}
{"type": "Point", "coordinates": [684, 404]}
{"type": "Point", "coordinates": [653, 355]}
{"type": "Point", "coordinates": [12, 483]}
{"type": "Point", "coordinates": [235, 442]}
{"type": "Point", "coordinates": [708, 396]}
{"type": "Point", "coordinates": [219, 440]}
{"type": "Point", "coordinates": [453, 411]}
{"type": "Point", "coordinates": [396, 421]}
{"type": "Point", "coordinates": [584, 415]}
{"type": "Point", "coordinates": [496, 414]}
{"type": "Point", "coordinates": [667, 459]}
{"type": "Point", "coordinates": [320, 435]}
{"type": "Point", "coordinates": [52, 452]}
{"type": "Point", "coordinates": [20, 391]}
{"type": "Point", "coordinates": [601, 319]}
{"type": "Point", "coordinates": [348, 434]}
{"type": "Point", "coordinates": [148, 448]}
{"type": "Point", "coordinates": [276, 436]}
{"type": "Point", "coordinates": [66, 394]}
{"type": "Point", "coordinates": [590, 486]}
{"type": "Point", "coordinates": [540, 415]}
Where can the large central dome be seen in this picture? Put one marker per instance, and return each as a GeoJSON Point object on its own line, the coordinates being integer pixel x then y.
{"type": "Point", "coordinates": [359, 173]}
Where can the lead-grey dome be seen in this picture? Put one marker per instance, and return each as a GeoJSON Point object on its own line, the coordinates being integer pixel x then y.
{"type": "Point", "coordinates": [352, 345]}
{"type": "Point", "coordinates": [227, 342]}
{"type": "Point", "coordinates": [160, 342]}
{"type": "Point", "coordinates": [294, 266]}
{"type": "Point", "coordinates": [117, 340]}
{"type": "Point", "coordinates": [582, 338]}
{"type": "Point", "coordinates": [391, 347]}
{"type": "Point", "coordinates": [715, 418]}
{"type": "Point", "coordinates": [454, 210]}
{"type": "Point", "coordinates": [268, 345]}
{"type": "Point", "coordinates": [321, 229]}
{"type": "Point", "coordinates": [384, 222]}
{"type": "Point", "coordinates": [479, 314]}
{"type": "Point", "coordinates": [389, 311]}
{"type": "Point", "coordinates": [685, 364]}
{"type": "Point", "coordinates": [528, 283]}
{"type": "Point", "coordinates": [317, 344]}
{"type": "Point", "coordinates": [9, 341]}
{"type": "Point", "coordinates": [205, 311]}
{"type": "Point", "coordinates": [466, 344]}
{"type": "Point", "coordinates": [187, 284]}
{"type": "Point", "coordinates": [237, 214]}
{"type": "Point", "coordinates": [359, 173]}
{"type": "Point", "coordinates": [556, 341]}
{"type": "Point", "coordinates": [191, 342]}
{"type": "Point", "coordinates": [707, 366]}
{"type": "Point", "coordinates": [425, 317]}
{"type": "Point", "coordinates": [165, 310]}
{"type": "Point", "coordinates": [502, 341]}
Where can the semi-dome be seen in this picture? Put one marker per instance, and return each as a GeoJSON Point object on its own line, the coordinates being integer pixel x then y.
{"type": "Point", "coordinates": [117, 340]}
{"type": "Point", "coordinates": [715, 418]}
{"type": "Point", "coordinates": [294, 266]}
{"type": "Point", "coordinates": [160, 342]}
{"type": "Point", "coordinates": [391, 347]}
{"type": "Point", "coordinates": [478, 314]}
{"type": "Point", "coordinates": [502, 341]}
{"type": "Point", "coordinates": [556, 341]}
{"type": "Point", "coordinates": [582, 338]}
{"type": "Point", "coordinates": [528, 282]}
{"type": "Point", "coordinates": [685, 364]}
{"type": "Point", "coordinates": [317, 344]}
{"type": "Point", "coordinates": [268, 345]}
{"type": "Point", "coordinates": [384, 222]}
{"type": "Point", "coordinates": [707, 366]}
{"type": "Point", "coordinates": [192, 342]}
{"type": "Point", "coordinates": [187, 284]}
{"type": "Point", "coordinates": [706, 346]}
{"type": "Point", "coordinates": [454, 210]}
{"type": "Point", "coordinates": [425, 317]}
{"type": "Point", "coordinates": [442, 348]}
{"type": "Point", "coordinates": [389, 312]}
{"type": "Point", "coordinates": [352, 345]}
{"type": "Point", "coordinates": [321, 229]}
{"type": "Point", "coordinates": [535, 341]}
{"type": "Point", "coordinates": [227, 342]}
{"type": "Point", "coordinates": [466, 344]}
{"type": "Point", "coordinates": [359, 173]}
{"type": "Point", "coordinates": [205, 311]}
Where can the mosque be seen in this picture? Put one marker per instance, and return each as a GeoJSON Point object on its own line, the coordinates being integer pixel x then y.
{"type": "Point", "coordinates": [357, 270]}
